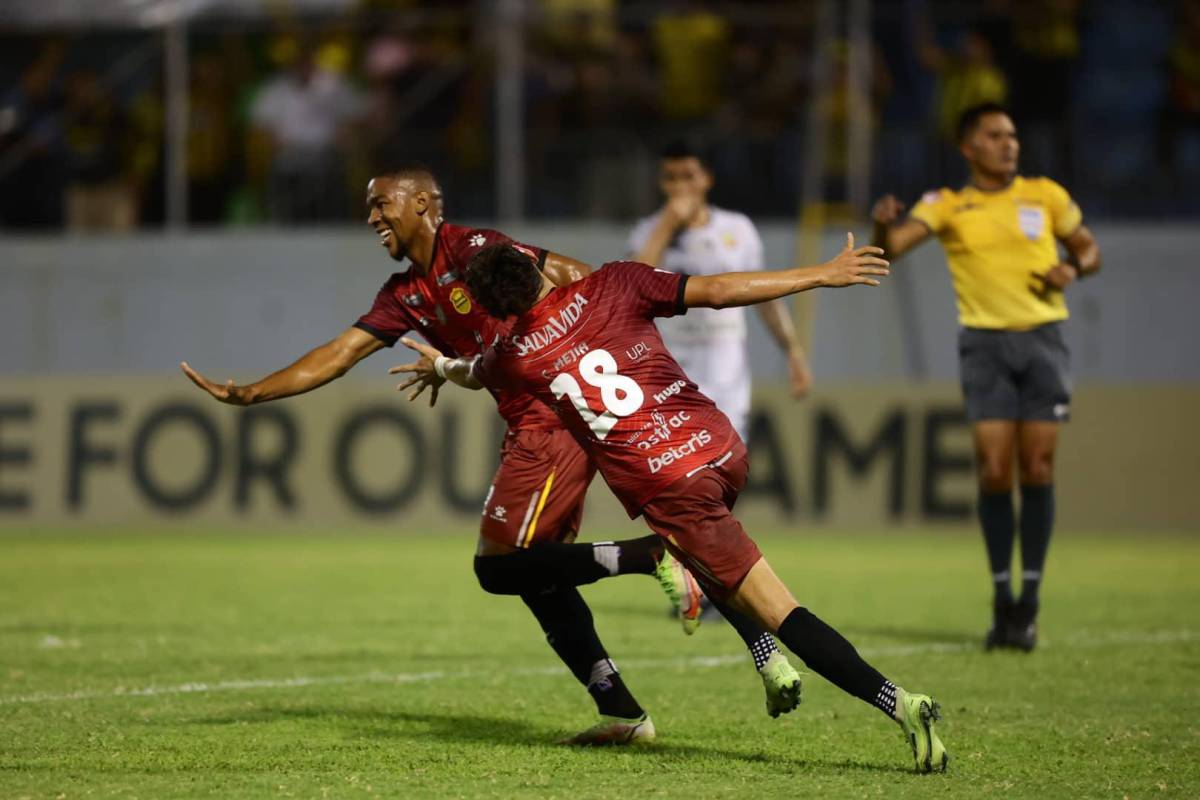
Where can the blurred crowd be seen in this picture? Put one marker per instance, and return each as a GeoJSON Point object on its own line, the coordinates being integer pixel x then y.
{"type": "Point", "coordinates": [288, 117]}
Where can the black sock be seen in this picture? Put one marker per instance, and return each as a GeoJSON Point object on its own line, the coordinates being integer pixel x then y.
{"type": "Point", "coordinates": [569, 628]}
{"type": "Point", "coordinates": [827, 653]}
{"type": "Point", "coordinates": [548, 565]}
{"type": "Point", "coordinates": [996, 518]}
{"type": "Point", "coordinates": [760, 643]}
{"type": "Point", "coordinates": [1037, 521]}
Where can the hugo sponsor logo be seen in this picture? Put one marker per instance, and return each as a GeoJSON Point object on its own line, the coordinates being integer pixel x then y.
{"type": "Point", "coordinates": [674, 388]}
{"type": "Point", "coordinates": [554, 329]}
{"type": "Point", "coordinates": [697, 442]}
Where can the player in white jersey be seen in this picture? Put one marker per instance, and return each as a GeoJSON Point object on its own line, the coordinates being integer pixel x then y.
{"type": "Point", "coordinates": [690, 236]}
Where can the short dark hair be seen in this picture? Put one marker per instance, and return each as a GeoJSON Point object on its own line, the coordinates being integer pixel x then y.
{"type": "Point", "coordinates": [504, 280]}
{"type": "Point", "coordinates": [683, 148]}
{"type": "Point", "coordinates": [968, 121]}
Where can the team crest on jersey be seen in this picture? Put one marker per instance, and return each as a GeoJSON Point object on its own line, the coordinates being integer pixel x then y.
{"type": "Point", "coordinates": [1032, 220]}
{"type": "Point", "coordinates": [447, 278]}
{"type": "Point", "coordinates": [460, 300]}
{"type": "Point", "coordinates": [729, 240]}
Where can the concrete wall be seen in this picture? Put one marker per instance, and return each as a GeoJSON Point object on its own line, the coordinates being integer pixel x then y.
{"type": "Point", "coordinates": [246, 303]}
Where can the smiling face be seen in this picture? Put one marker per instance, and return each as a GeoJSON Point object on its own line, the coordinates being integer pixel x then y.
{"type": "Point", "coordinates": [992, 147]}
{"type": "Point", "coordinates": [396, 208]}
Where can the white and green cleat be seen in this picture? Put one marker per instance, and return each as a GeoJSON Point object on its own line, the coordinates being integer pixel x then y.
{"type": "Point", "coordinates": [682, 590]}
{"type": "Point", "coordinates": [614, 731]}
{"type": "Point", "coordinates": [918, 714]}
{"type": "Point", "coordinates": [782, 684]}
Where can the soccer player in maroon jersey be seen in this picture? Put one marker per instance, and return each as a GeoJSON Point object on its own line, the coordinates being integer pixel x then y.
{"type": "Point", "coordinates": [534, 506]}
{"type": "Point", "coordinates": [591, 351]}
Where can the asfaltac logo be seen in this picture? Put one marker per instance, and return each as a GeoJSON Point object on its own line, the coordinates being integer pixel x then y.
{"type": "Point", "coordinates": [696, 442]}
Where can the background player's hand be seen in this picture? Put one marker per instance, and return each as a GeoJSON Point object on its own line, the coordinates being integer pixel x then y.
{"type": "Point", "coordinates": [852, 266]}
{"type": "Point", "coordinates": [683, 208]}
{"type": "Point", "coordinates": [887, 210]}
{"type": "Point", "coordinates": [799, 374]}
{"type": "Point", "coordinates": [1057, 278]}
{"type": "Point", "coordinates": [226, 392]}
{"type": "Point", "coordinates": [422, 371]}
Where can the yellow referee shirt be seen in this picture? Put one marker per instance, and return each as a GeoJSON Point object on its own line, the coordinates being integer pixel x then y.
{"type": "Point", "coordinates": [995, 241]}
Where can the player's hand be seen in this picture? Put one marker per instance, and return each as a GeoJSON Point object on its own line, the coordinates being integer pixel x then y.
{"type": "Point", "coordinates": [227, 392]}
{"type": "Point", "coordinates": [1057, 278]}
{"type": "Point", "coordinates": [852, 266]}
{"type": "Point", "coordinates": [421, 370]}
{"type": "Point", "coordinates": [799, 374]}
{"type": "Point", "coordinates": [683, 208]}
{"type": "Point", "coordinates": [887, 210]}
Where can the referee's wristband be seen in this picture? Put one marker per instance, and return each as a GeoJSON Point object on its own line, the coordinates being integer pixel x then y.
{"type": "Point", "coordinates": [439, 366]}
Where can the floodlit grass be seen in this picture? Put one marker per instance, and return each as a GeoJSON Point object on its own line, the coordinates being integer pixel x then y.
{"type": "Point", "coordinates": [189, 665]}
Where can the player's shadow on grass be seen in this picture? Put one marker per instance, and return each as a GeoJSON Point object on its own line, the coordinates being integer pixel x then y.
{"type": "Point", "coordinates": [905, 635]}
{"type": "Point", "coordinates": [477, 729]}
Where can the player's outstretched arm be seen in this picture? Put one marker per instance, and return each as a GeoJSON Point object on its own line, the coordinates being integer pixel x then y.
{"type": "Point", "coordinates": [563, 271]}
{"type": "Point", "coordinates": [315, 368]}
{"type": "Point", "coordinates": [433, 369]}
{"type": "Point", "coordinates": [850, 267]}
{"type": "Point", "coordinates": [896, 238]}
{"type": "Point", "coordinates": [778, 319]}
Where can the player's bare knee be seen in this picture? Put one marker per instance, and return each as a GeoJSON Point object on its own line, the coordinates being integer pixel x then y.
{"type": "Point", "coordinates": [995, 475]}
{"type": "Point", "coordinates": [1037, 468]}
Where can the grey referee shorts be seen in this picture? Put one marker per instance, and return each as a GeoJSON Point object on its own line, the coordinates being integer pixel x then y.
{"type": "Point", "coordinates": [1018, 375]}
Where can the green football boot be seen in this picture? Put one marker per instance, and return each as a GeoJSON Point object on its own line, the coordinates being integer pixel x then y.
{"type": "Point", "coordinates": [682, 590]}
{"type": "Point", "coordinates": [614, 731]}
{"type": "Point", "coordinates": [782, 684]}
{"type": "Point", "coordinates": [917, 715]}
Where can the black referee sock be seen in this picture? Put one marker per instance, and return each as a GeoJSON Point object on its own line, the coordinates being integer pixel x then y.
{"type": "Point", "coordinates": [827, 653]}
{"type": "Point", "coordinates": [567, 622]}
{"type": "Point", "coordinates": [997, 520]}
{"type": "Point", "coordinates": [1037, 522]}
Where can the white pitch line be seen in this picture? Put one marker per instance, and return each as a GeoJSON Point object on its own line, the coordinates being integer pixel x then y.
{"type": "Point", "coordinates": [1077, 642]}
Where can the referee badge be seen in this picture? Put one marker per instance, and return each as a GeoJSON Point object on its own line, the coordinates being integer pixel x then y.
{"type": "Point", "coordinates": [1032, 220]}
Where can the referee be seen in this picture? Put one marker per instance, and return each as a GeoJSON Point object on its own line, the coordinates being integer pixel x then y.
{"type": "Point", "coordinates": [1001, 233]}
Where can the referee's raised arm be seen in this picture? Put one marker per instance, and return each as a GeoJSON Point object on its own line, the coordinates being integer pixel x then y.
{"type": "Point", "coordinates": [894, 236]}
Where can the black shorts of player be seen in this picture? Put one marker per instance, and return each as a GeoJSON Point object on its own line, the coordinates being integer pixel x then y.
{"type": "Point", "coordinates": [1017, 375]}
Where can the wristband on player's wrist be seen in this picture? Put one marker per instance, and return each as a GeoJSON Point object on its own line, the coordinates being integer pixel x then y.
{"type": "Point", "coordinates": [439, 366]}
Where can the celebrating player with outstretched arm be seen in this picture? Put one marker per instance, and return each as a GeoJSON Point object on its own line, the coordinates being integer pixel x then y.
{"type": "Point", "coordinates": [535, 503]}
{"type": "Point", "coordinates": [591, 352]}
{"type": "Point", "coordinates": [1001, 234]}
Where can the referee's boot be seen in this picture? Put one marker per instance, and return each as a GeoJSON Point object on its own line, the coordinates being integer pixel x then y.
{"type": "Point", "coordinates": [999, 634]}
{"type": "Point", "coordinates": [1022, 627]}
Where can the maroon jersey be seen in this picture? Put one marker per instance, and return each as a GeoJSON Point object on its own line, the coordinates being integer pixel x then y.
{"type": "Point", "coordinates": [591, 352]}
{"type": "Point", "coordinates": [438, 306]}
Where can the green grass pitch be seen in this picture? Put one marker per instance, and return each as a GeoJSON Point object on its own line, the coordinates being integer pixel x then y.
{"type": "Point", "coordinates": [369, 664]}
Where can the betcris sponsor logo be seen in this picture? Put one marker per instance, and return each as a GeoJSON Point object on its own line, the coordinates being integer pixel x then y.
{"type": "Point", "coordinates": [697, 442]}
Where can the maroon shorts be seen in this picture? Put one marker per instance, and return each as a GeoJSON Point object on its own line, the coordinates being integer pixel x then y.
{"type": "Point", "coordinates": [695, 516]}
{"type": "Point", "coordinates": [537, 492]}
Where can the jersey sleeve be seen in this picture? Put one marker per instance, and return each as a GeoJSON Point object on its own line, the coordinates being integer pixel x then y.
{"type": "Point", "coordinates": [464, 243]}
{"type": "Point", "coordinates": [1065, 214]}
{"type": "Point", "coordinates": [653, 292]}
{"type": "Point", "coordinates": [386, 320]}
{"type": "Point", "coordinates": [491, 370]}
{"type": "Point", "coordinates": [930, 209]}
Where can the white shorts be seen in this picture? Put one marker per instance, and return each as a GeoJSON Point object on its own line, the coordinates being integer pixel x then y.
{"type": "Point", "coordinates": [720, 368]}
